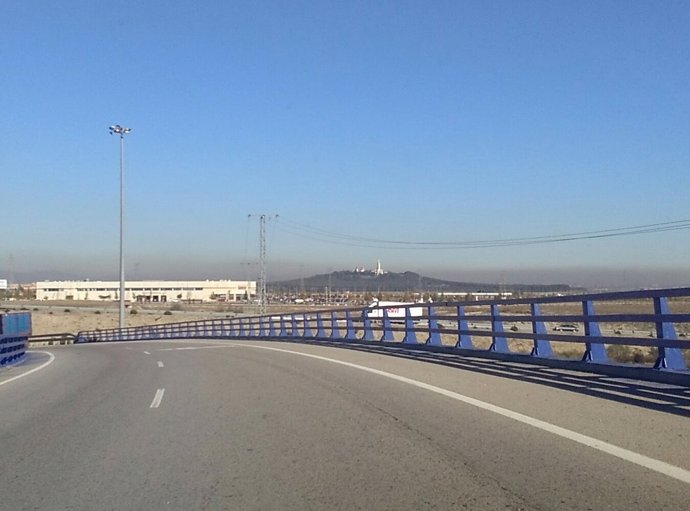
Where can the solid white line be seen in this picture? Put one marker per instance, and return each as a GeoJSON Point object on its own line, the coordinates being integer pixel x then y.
{"type": "Point", "coordinates": [50, 361]}
{"type": "Point", "coordinates": [191, 348]}
{"type": "Point", "coordinates": [639, 459]}
{"type": "Point", "coordinates": [160, 363]}
{"type": "Point", "coordinates": [157, 398]}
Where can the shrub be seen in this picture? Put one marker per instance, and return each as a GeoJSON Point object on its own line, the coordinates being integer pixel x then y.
{"type": "Point", "coordinates": [68, 310]}
{"type": "Point", "coordinates": [133, 311]}
{"type": "Point", "coordinates": [167, 313]}
{"type": "Point", "coordinates": [96, 312]}
{"type": "Point", "coordinates": [634, 354]}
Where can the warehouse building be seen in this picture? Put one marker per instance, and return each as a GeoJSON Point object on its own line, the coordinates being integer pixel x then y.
{"type": "Point", "coordinates": [190, 291]}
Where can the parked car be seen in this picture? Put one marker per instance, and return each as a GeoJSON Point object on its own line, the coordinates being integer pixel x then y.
{"type": "Point", "coordinates": [566, 327]}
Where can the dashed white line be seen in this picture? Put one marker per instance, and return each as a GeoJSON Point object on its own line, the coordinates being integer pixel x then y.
{"type": "Point", "coordinates": [160, 363]}
{"type": "Point", "coordinates": [633, 457]}
{"type": "Point", "coordinates": [157, 398]}
{"type": "Point", "coordinates": [147, 353]}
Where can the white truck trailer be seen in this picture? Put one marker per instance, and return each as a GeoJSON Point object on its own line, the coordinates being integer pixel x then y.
{"type": "Point", "coordinates": [394, 310]}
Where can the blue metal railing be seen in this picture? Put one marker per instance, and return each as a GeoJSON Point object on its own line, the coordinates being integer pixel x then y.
{"type": "Point", "coordinates": [527, 326]}
{"type": "Point", "coordinates": [15, 329]}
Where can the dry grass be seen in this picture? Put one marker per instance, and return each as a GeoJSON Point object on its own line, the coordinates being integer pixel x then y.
{"type": "Point", "coordinates": [49, 321]}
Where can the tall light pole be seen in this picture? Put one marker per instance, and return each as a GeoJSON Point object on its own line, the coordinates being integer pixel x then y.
{"type": "Point", "coordinates": [122, 131]}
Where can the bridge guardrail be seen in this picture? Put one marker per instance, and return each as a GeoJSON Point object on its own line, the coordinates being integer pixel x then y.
{"type": "Point", "coordinates": [52, 339]}
{"type": "Point", "coordinates": [15, 329]}
{"type": "Point", "coordinates": [633, 320]}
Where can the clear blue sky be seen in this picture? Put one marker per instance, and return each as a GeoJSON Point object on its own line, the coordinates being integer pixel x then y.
{"type": "Point", "coordinates": [399, 120]}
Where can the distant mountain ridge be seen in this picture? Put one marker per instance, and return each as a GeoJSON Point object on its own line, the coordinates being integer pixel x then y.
{"type": "Point", "coordinates": [368, 281]}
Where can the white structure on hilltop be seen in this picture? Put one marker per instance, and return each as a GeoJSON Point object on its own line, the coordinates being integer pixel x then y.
{"type": "Point", "coordinates": [148, 290]}
{"type": "Point", "coordinates": [378, 271]}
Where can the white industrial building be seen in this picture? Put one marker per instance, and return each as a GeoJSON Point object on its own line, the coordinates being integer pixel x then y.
{"type": "Point", "coordinates": [193, 291]}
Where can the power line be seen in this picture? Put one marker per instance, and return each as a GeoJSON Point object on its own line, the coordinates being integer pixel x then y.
{"type": "Point", "coordinates": [321, 235]}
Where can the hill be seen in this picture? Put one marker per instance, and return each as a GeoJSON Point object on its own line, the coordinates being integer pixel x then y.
{"type": "Point", "coordinates": [408, 281]}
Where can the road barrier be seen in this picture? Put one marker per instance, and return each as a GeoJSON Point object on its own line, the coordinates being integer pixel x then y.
{"type": "Point", "coordinates": [15, 329]}
{"type": "Point", "coordinates": [590, 329]}
{"type": "Point", "coordinates": [60, 338]}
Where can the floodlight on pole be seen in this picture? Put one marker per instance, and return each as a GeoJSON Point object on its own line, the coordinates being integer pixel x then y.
{"type": "Point", "coordinates": [122, 131]}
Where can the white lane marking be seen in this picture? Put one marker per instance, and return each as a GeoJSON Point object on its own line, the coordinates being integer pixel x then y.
{"type": "Point", "coordinates": [189, 348]}
{"type": "Point", "coordinates": [146, 353]}
{"type": "Point", "coordinates": [639, 459]}
{"type": "Point", "coordinates": [128, 348]}
{"type": "Point", "coordinates": [50, 361]}
{"type": "Point", "coordinates": [160, 363]}
{"type": "Point", "coordinates": [157, 398]}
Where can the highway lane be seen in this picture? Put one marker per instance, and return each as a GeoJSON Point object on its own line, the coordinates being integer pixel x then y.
{"type": "Point", "coordinates": [259, 425]}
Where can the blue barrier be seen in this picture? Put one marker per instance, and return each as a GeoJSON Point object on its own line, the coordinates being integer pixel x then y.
{"type": "Point", "coordinates": [15, 329]}
{"type": "Point", "coordinates": [642, 320]}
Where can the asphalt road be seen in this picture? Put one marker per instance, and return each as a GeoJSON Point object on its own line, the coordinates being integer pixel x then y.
{"type": "Point", "coordinates": [267, 425]}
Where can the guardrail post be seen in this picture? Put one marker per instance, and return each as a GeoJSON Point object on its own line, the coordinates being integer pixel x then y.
{"type": "Point", "coordinates": [335, 331]}
{"type": "Point", "coordinates": [350, 333]}
{"type": "Point", "coordinates": [368, 335]}
{"type": "Point", "coordinates": [306, 326]}
{"type": "Point", "coordinates": [464, 339]}
{"type": "Point", "coordinates": [387, 330]}
{"type": "Point", "coordinates": [434, 338]}
{"type": "Point", "coordinates": [283, 329]}
{"type": "Point", "coordinates": [320, 331]}
{"type": "Point", "coordinates": [542, 347]}
{"type": "Point", "coordinates": [410, 334]}
{"type": "Point", "coordinates": [668, 358]}
{"type": "Point", "coordinates": [241, 332]}
{"type": "Point", "coordinates": [498, 342]}
{"type": "Point", "coordinates": [262, 327]}
{"type": "Point", "coordinates": [295, 331]}
{"type": "Point", "coordinates": [594, 351]}
{"type": "Point", "coordinates": [271, 326]}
